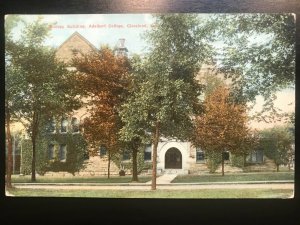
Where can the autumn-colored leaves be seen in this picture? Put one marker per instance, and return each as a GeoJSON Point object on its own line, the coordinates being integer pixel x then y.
{"type": "Point", "coordinates": [103, 76]}
{"type": "Point", "coordinates": [223, 126]}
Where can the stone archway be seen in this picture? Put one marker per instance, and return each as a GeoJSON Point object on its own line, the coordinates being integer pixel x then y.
{"type": "Point", "coordinates": [173, 159]}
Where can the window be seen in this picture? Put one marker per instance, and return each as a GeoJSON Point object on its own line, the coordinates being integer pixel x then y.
{"type": "Point", "coordinates": [64, 124]}
{"type": "Point", "coordinates": [226, 155]}
{"type": "Point", "coordinates": [147, 153]}
{"type": "Point", "coordinates": [256, 157]}
{"type": "Point", "coordinates": [51, 126]}
{"type": "Point", "coordinates": [199, 155]}
{"type": "Point", "coordinates": [75, 51]}
{"type": "Point", "coordinates": [126, 155]}
{"type": "Point", "coordinates": [63, 152]}
{"type": "Point", "coordinates": [51, 152]}
{"type": "Point", "coordinates": [102, 151]}
{"type": "Point", "coordinates": [75, 125]}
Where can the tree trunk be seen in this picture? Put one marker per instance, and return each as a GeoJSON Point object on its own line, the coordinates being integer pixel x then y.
{"type": "Point", "coordinates": [154, 161]}
{"type": "Point", "coordinates": [9, 151]}
{"type": "Point", "coordinates": [134, 164]}
{"type": "Point", "coordinates": [108, 165]}
{"type": "Point", "coordinates": [277, 167]}
{"type": "Point", "coordinates": [222, 163]}
{"type": "Point", "coordinates": [33, 140]}
{"type": "Point", "coordinates": [34, 133]}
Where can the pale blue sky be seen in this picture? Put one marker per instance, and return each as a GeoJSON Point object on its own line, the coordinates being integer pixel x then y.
{"type": "Point", "coordinates": [97, 36]}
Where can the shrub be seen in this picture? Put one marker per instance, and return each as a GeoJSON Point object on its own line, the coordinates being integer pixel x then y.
{"type": "Point", "coordinates": [237, 160]}
{"type": "Point", "coordinates": [214, 160]}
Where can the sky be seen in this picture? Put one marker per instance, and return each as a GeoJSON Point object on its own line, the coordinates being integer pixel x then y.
{"type": "Point", "coordinates": [108, 28]}
{"type": "Point", "coordinates": [98, 29]}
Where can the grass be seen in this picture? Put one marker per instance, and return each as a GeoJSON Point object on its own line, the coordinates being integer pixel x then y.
{"type": "Point", "coordinates": [96, 179]}
{"type": "Point", "coordinates": [235, 177]}
{"type": "Point", "coordinates": [205, 193]}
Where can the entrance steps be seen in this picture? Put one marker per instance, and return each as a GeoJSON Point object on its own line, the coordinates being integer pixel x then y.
{"type": "Point", "coordinates": [172, 171]}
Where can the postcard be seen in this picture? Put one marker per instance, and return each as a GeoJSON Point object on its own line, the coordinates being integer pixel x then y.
{"type": "Point", "coordinates": [189, 106]}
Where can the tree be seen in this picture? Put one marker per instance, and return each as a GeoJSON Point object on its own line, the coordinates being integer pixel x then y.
{"type": "Point", "coordinates": [257, 52]}
{"type": "Point", "coordinates": [46, 87]}
{"type": "Point", "coordinates": [11, 88]}
{"type": "Point", "coordinates": [277, 144]}
{"type": "Point", "coordinates": [165, 94]}
{"type": "Point", "coordinates": [104, 79]}
{"type": "Point", "coordinates": [223, 126]}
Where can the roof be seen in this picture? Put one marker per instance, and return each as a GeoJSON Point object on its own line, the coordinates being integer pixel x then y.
{"type": "Point", "coordinates": [76, 33]}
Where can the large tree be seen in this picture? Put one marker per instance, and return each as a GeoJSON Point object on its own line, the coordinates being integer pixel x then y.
{"type": "Point", "coordinates": [165, 95]}
{"type": "Point", "coordinates": [11, 88]}
{"type": "Point", "coordinates": [223, 126]}
{"type": "Point", "coordinates": [277, 144]}
{"type": "Point", "coordinates": [257, 52]}
{"type": "Point", "coordinates": [46, 87]}
{"type": "Point", "coordinates": [104, 80]}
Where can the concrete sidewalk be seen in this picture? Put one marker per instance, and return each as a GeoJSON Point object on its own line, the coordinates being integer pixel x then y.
{"type": "Point", "coordinates": [164, 179]}
{"type": "Point", "coordinates": [147, 187]}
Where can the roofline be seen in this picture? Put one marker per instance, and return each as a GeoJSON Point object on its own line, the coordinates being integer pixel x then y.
{"type": "Point", "coordinates": [83, 38]}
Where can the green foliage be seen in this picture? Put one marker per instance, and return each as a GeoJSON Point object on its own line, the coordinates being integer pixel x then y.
{"type": "Point", "coordinates": [41, 85]}
{"type": "Point", "coordinates": [164, 89]}
{"type": "Point", "coordinates": [257, 53]}
{"type": "Point", "coordinates": [277, 144]}
{"type": "Point", "coordinates": [237, 160]}
{"type": "Point", "coordinates": [213, 161]}
{"type": "Point", "coordinates": [127, 165]}
{"type": "Point", "coordinates": [76, 148]}
{"type": "Point", "coordinates": [42, 161]}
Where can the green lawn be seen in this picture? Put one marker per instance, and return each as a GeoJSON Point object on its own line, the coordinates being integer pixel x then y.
{"type": "Point", "coordinates": [235, 177]}
{"type": "Point", "coordinates": [206, 193]}
{"type": "Point", "coordinates": [96, 179]}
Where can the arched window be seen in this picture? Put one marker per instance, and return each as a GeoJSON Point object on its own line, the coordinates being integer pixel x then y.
{"type": "Point", "coordinates": [64, 125]}
{"type": "Point", "coordinates": [75, 125]}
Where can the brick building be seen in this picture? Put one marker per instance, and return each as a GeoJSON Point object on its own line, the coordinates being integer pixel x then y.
{"type": "Point", "coordinates": [173, 156]}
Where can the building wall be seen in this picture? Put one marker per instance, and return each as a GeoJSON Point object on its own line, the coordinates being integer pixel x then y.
{"type": "Point", "coordinates": [98, 166]}
{"type": "Point", "coordinates": [73, 46]}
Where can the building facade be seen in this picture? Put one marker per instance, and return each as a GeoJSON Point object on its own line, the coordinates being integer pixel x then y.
{"type": "Point", "coordinates": [173, 156]}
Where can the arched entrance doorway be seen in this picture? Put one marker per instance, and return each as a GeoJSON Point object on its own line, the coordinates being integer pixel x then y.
{"type": "Point", "coordinates": [173, 159]}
